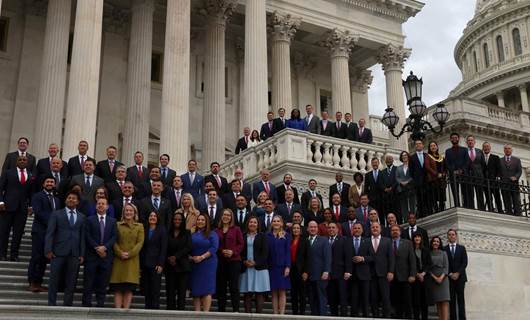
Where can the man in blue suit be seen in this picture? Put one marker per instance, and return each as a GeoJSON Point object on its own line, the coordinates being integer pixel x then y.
{"type": "Point", "coordinates": [319, 269]}
{"type": "Point", "coordinates": [419, 176]}
{"type": "Point", "coordinates": [456, 162]}
{"type": "Point", "coordinates": [267, 128]}
{"type": "Point", "coordinates": [264, 185]}
{"type": "Point", "coordinates": [43, 204]}
{"type": "Point", "coordinates": [192, 182]}
{"type": "Point", "coordinates": [100, 235]}
{"type": "Point", "coordinates": [65, 247]}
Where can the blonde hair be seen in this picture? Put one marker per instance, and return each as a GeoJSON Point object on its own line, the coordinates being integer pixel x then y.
{"type": "Point", "coordinates": [135, 209]}
{"type": "Point", "coordinates": [281, 233]}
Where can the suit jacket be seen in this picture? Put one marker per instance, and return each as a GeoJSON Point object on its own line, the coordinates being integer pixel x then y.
{"type": "Point", "coordinates": [354, 197]}
{"type": "Point", "coordinates": [432, 170]}
{"type": "Point", "coordinates": [417, 172]}
{"type": "Point", "coordinates": [306, 198]}
{"type": "Point", "coordinates": [278, 125]}
{"type": "Point", "coordinates": [343, 195]}
{"type": "Point", "coordinates": [341, 258]}
{"type": "Point", "coordinates": [383, 260]}
{"type": "Point", "coordinates": [511, 169]}
{"type": "Point", "coordinates": [43, 168]}
{"type": "Point", "coordinates": [374, 188]}
{"type": "Point", "coordinates": [328, 130]}
{"type": "Point", "coordinates": [229, 201]}
{"type": "Point", "coordinates": [42, 209]}
{"type": "Point", "coordinates": [320, 257]}
{"type": "Point", "coordinates": [74, 165]}
{"type": "Point", "coordinates": [343, 213]}
{"type": "Point", "coordinates": [458, 262]}
{"type": "Point", "coordinates": [389, 178]}
{"type": "Point", "coordinates": [405, 257]}
{"type": "Point", "coordinates": [195, 188]}
{"type": "Point", "coordinates": [224, 188]}
{"type": "Point", "coordinates": [114, 190]}
{"type": "Point", "coordinates": [246, 190]}
{"type": "Point", "coordinates": [201, 203]}
{"type": "Point", "coordinates": [10, 162]}
{"type": "Point", "coordinates": [167, 179]}
{"type": "Point", "coordinates": [477, 167]}
{"type": "Point", "coordinates": [164, 211]}
{"type": "Point", "coordinates": [154, 250]}
{"type": "Point", "coordinates": [361, 270]}
{"type": "Point", "coordinates": [87, 193]}
{"type": "Point", "coordinates": [403, 177]}
{"type": "Point", "coordinates": [405, 234]}
{"type": "Point", "coordinates": [242, 224]}
{"type": "Point", "coordinates": [103, 170]}
{"type": "Point", "coordinates": [14, 194]}
{"type": "Point", "coordinates": [283, 210]}
{"type": "Point", "coordinates": [65, 240]}
{"type": "Point", "coordinates": [366, 136]}
{"type": "Point", "coordinates": [180, 248]}
{"type": "Point", "coordinates": [302, 262]}
{"type": "Point", "coordinates": [261, 252]}
{"type": "Point", "coordinates": [169, 193]}
{"type": "Point", "coordinates": [265, 131]}
{"type": "Point", "coordinates": [259, 187]}
{"type": "Point", "coordinates": [359, 215]}
{"type": "Point", "coordinates": [352, 131]}
{"type": "Point", "coordinates": [314, 125]}
{"type": "Point", "coordinates": [341, 131]}
{"type": "Point", "coordinates": [493, 167]}
{"type": "Point", "coordinates": [241, 145]}
{"type": "Point", "coordinates": [346, 229]}
{"type": "Point", "coordinates": [280, 191]}
{"type": "Point", "coordinates": [93, 237]}
{"type": "Point", "coordinates": [218, 213]}
{"type": "Point", "coordinates": [134, 176]}
{"type": "Point", "coordinates": [118, 206]}
{"type": "Point", "coordinates": [456, 159]}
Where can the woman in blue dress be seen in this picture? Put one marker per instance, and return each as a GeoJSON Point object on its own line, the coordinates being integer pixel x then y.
{"type": "Point", "coordinates": [279, 243]}
{"type": "Point", "coordinates": [204, 264]}
{"type": "Point", "coordinates": [255, 277]}
{"type": "Point", "coordinates": [296, 122]}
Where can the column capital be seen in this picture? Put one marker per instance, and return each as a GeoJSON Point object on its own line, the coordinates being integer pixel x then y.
{"type": "Point", "coordinates": [522, 87]}
{"type": "Point", "coordinates": [393, 57]}
{"type": "Point", "coordinates": [339, 42]}
{"type": "Point", "coordinates": [282, 27]}
{"type": "Point", "coordinates": [361, 79]}
{"type": "Point", "coordinates": [219, 10]}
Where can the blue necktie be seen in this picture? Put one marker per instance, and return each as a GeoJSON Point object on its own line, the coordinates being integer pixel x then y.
{"type": "Point", "coordinates": [356, 245]}
{"type": "Point", "coordinates": [101, 229]}
{"type": "Point", "coordinates": [155, 203]}
{"type": "Point", "coordinates": [72, 219]}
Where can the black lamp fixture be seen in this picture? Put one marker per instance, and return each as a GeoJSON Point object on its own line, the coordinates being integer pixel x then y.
{"type": "Point", "coordinates": [415, 123]}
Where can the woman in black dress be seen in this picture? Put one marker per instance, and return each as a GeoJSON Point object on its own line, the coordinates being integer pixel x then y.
{"type": "Point", "coordinates": [423, 262]}
{"type": "Point", "coordinates": [299, 268]}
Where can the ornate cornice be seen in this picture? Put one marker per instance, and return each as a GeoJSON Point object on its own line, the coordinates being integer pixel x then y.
{"type": "Point", "coordinates": [219, 11]}
{"type": "Point", "coordinates": [339, 42]}
{"type": "Point", "coordinates": [400, 10]}
{"type": "Point", "coordinates": [282, 27]}
{"type": "Point", "coordinates": [361, 79]}
{"type": "Point", "coordinates": [393, 57]}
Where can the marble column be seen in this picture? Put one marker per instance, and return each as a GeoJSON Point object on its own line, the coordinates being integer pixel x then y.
{"type": "Point", "coordinates": [360, 81]}
{"type": "Point", "coordinates": [340, 43]}
{"type": "Point", "coordinates": [255, 73]}
{"type": "Point", "coordinates": [392, 59]}
{"type": "Point", "coordinates": [282, 29]}
{"type": "Point", "coordinates": [524, 98]}
{"type": "Point", "coordinates": [174, 135]}
{"type": "Point", "coordinates": [52, 88]}
{"type": "Point", "coordinates": [500, 99]}
{"type": "Point", "coordinates": [82, 99]}
{"type": "Point", "coordinates": [136, 131]}
{"type": "Point", "coordinates": [214, 128]}
{"type": "Point", "coordinates": [240, 56]}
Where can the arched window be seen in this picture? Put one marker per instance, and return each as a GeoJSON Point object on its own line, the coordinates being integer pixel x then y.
{"type": "Point", "coordinates": [517, 48]}
{"type": "Point", "coordinates": [500, 49]}
{"type": "Point", "coordinates": [475, 62]}
{"type": "Point", "coordinates": [486, 55]}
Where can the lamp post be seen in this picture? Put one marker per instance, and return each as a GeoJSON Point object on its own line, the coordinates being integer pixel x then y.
{"type": "Point", "coordinates": [415, 123]}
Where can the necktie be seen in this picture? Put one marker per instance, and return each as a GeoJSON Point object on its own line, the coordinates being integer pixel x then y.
{"type": "Point", "coordinates": [212, 213]}
{"type": "Point", "coordinates": [140, 171]}
{"type": "Point", "coordinates": [339, 187]}
{"type": "Point", "coordinates": [22, 177]}
{"type": "Point", "coordinates": [356, 244]}
{"type": "Point", "coordinates": [453, 250]}
{"type": "Point", "coordinates": [289, 206]}
{"type": "Point", "coordinates": [312, 240]}
{"type": "Point", "coordinates": [164, 172]}
{"type": "Point", "coordinates": [420, 158]}
{"type": "Point", "coordinates": [270, 125]}
{"type": "Point", "coordinates": [72, 219]}
{"type": "Point", "coordinates": [360, 132]}
{"type": "Point", "coordinates": [127, 200]}
{"type": "Point", "coordinates": [240, 216]}
{"type": "Point", "coordinates": [338, 125]}
{"type": "Point", "coordinates": [472, 154]}
{"type": "Point", "coordinates": [268, 221]}
{"type": "Point", "coordinates": [218, 180]}
{"type": "Point", "coordinates": [52, 201]}
{"type": "Point", "coordinates": [192, 177]}
{"type": "Point", "coordinates": [375, 175]}
{"type": "Point", "coordinates": [313, 194]}
{"type": "Point", "coordinates": [331, 240]}
{"type": "Point", "coordinates": [111, 165]}
{"type": "Point", "coordinates": [337, 213]}
{"type": "Point", "coordinates": [364, 214]}
{"type": "Point", "coordinates": [57, 177]}
{"type": "Point", "coordinates": [376, 244]}
{"type": "Point", "coordinates": [487, 158]}
{"type": "Point", "coordinates": [395, 247]}
{"type": "Point", "coordinates": [177, 196]}
{"type": "Point", "coordinates": [508, 159]}
{"type": "Point", "coordinates": [267, 189]}
{"type": "Point", "coordinates": [101, 229]}
{"type": "Point", "coordinates": [155, 203]}
{"type": "Point", "coordinates": [87, 182]}
{"type": "Point", "coordinates": [82, 162]}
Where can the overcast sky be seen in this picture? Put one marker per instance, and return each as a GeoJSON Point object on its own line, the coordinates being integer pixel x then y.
{"type": "Point", "coordinates": [432, 35]}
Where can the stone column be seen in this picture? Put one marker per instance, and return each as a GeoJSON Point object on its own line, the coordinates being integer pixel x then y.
{"type": "Point", "coordinates": [82, 100]}
{"type": "Point", "coordinates": [340, 43]}
{"type": "Point", "coordinates": [392, 59]}
{"type": "Point", "coordinates": [255, 74]}
{"type": "Point", "coordinates": [50, 104]}
{"type": "Point", "coordinates": [136, 131]}
{"type": "Point", "coordinates": [500, 99]}
{"type": "Point", "coordinates": [360, 81]}
{"type": "Point", "coordinates": [524, 98]}
{"type": "Point", "coordinates": [240, 56]}
{"type": "Point", "coordinates": [282, 29]}
{"type": "Point", "coordinates": [214, 131]}
{"type": "Point", "coordinates": [174, 135]}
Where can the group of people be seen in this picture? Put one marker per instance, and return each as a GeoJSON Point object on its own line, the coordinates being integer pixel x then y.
{"type": "Point", "coordinates": [342, 129]}
{"type": "Point", "coordinates": [128, 226]}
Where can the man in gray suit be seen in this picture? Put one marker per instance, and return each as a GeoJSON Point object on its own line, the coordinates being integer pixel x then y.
{"type": "Point", "coordinates": [88, 181]}
{"type": "Point", "coordinates": [65, 246]}
{"type": "Point", "coordinates": [404, 274]}
{"type": "Point", "coordinates": [476, 168]}
{"type": "Point", "coordinates": [312, 120]}
{"type": "Point", "coordinates": [511, 171]}
{"type": "Point", "coordinates": [382, 268]}
{"type": "Point", "coordinates": [319, 269]}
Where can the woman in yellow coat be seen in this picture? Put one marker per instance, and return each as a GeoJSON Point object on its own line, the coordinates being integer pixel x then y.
{"type": "Point", "coordinates": [125, 275]}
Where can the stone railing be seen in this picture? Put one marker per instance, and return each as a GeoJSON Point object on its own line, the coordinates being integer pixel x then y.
{"type": "Point", "coordinates": [504, 114]}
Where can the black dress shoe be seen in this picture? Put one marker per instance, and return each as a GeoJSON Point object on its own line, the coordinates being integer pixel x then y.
{"type": "Point", "coordinates": [14, 259]}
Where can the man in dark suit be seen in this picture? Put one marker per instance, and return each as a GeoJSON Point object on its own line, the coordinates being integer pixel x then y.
{"type": "Point", "coordinates": [145, 189]}
{"type": "Point", "coordinates": [76, 164]}
{"type": "Point", "coordinates": [114, 186]}
{"type": "Point", "coordinates": [65, 247]}
{"type": "Point", "coordinates": [412, 228]}
{"type": "Point", "coordinates": [362, 213]}
{"type": "Point", "coordinates": [511, 171]}
{"type": "Point", "coordinates": [44, 165]}
{"type": "Point", "coordinates": [312, 120]}
{"type": "Point", "coordinates": [229, 199]}
{"type": "Point", "coordinates": [11, 159]}
{"type": "Point", "coordinates": [373, 186]}
{"type": "Point", "coordinates": [493, 174]}
{"type": "Point", "coordinates": [476, 168]}
{"type": "Point", "coordinates": [242, 143]}
{"type": "Point", "coordinates": [106, 169]}
{"type": "Point", "coordinates": [327, 127]}
{"type": "Point", "coordinates": [16, 185]}
{"type": "Point", "coordinates": [456, 161]}
{"type": "Point", "coordinates": [419, 176]}
{"type": "Point", "coordinates": [390, 184]}
{"type": "Point", "coordinates": [364, 134]}
{"type": "Point", "coordinates": [340, 212]}
{"type": "Point", "coordinates": [212, 208]}
{"type": "Point", "coordinates": [43, 204]}
{"type": "Point", "coordinates": [266, 128]}
{"type": "Point", "coordinates": [192, 182]}
{"type": "Point", "coordinates": [264, 185]}
{"type": "Point", "coordinates": [404, 274]}
{"type": "Point", "coordinates": [310, 193]}
{"type": "Point", "coordinates": [319, 270]}
{"type": "Point", "coordinates": [166, 173]}
{"type": "Point", "coordinates": [156, 203]}
{"type": "Point", "coordinates": [62, 181]}
{"type": "Point", "coordinates": [246, 188]}
{"type": "Point", "coordinates": [341, 266]}
{"type": "Point", "coordinates": [340, 126]}
{"type": "Point", "coordinates": [347, 226]}
{"type": "Point", "coordinates": [201, 203]}
{"type": "Point", "coordinates": [382, 268]}
{"type": "Point", "coordinates": [88, 181]}
{"type": "Point", "coordinates": [280, 190]}
{"type": "Point", "coordinates": [352, 130]}
{"type": "Point", "coordinates": [127, 191]}
{"type": "Point", "coordinates": [360, 279]}
{"type": "Point", "coordinates": [341, 188]}
{"type": "Point", "coordinates": [266, 219]}
{"type": "Point", "coordinates": [242, 212]}
{"type": "Point", "coordinates": [278, 124]}
{"type": "Point", "coordinates": [174, 194]}
{"type": "Point", "coordinates": [100, 235]}
{"type": "Point", "coordinates": [457, 256]}
{"type": "Point", "coordinates": [219, 182]}
{"type": "Point", "coordinates": [289, 207]}
{"type": "Point", "coordinates": [138, 173]}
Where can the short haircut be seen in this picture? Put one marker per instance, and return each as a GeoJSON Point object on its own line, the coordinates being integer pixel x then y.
{"type": "Point", "coordinates": [139, 152]}
{"type": "Point", "coordinates": [451, 229]}
{"type": "Point", "coordinates": [215, 162]}
{"type": "Point", "coordinates": [75, 193]}
{"type": "Point", "coordinates": [312, 180]}
{"type": "Point", "coordinates": [23, 138]}
{"type": "Point", "coordinates": [112, 147]}
{"type": "Point", "coordinates": [454, 134]}
{"type": "Point", "coordinates": [90, 160]}
{"type": "Point", "coordinates": [191, 160]}
{"type": "Point", "coordinates": [165, 155]}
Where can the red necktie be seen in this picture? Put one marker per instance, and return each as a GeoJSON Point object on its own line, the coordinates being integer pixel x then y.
{"type": "Point", "coordinates": [364, 213]}
{"type": "Point", "coordinates": [140, 171]}
{"type": "Point", "coordinates": [472, 154]}
{"type": "Point", "coordinates": [22, 177]}
{"type": "Point", "coordinates": [337, 213]}
{"type": "Point", "coordinates": [267, 189]}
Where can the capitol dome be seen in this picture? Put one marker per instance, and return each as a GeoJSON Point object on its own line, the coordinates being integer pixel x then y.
{"type": "Point", "coordinates": [493, 54]}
